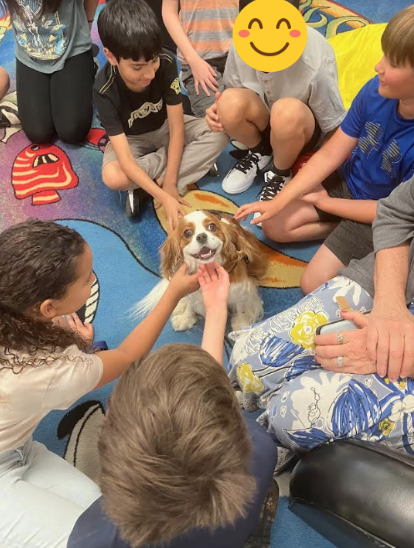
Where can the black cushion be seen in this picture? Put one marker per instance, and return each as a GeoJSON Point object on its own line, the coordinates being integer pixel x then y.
{"type": "Point", "coordinates": [363, 490]}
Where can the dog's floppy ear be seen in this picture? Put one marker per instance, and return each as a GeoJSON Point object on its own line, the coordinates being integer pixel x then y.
{"type": "Point", "coordinates": [171, 255]}
{"type": "Point", "coordinates": [243, 245]}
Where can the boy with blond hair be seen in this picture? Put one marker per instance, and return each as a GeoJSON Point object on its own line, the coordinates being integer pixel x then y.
{"type": "Point", "coordinates": [334, 196]}
{"type": "Point", "coordinates": [152, 146]}
{"type": "Point", "coordinates": [181, 466]}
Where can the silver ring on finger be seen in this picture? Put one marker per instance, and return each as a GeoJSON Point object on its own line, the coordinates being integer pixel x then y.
{"type": "Point", "coordinates": [340, 338]}
{"type": "Point", "coordinates": [340, 361]}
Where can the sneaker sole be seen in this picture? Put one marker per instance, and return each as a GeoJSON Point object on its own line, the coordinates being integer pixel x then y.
{"type": "Point", "coordinates": [238, 191]}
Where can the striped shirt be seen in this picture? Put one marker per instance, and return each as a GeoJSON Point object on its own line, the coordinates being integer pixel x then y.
{"type": "Point", "coordinates": [209, 26]}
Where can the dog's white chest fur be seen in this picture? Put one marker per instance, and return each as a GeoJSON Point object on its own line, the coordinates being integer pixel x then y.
{"type": "Point", "coordinates": [244, 304]}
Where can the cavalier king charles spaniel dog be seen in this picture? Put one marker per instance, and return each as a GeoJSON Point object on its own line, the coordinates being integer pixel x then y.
{"type": "Point", "coordinates": [202, 237]}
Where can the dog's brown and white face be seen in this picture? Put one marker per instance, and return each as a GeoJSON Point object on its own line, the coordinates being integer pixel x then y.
{"type": "Point", "coordinates": [202, 237]}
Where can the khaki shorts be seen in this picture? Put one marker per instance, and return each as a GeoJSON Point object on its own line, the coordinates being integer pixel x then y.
{"type": "Point", "coordinates": [350, 239]}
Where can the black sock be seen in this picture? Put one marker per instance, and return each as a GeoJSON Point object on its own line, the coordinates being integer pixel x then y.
{"type": "Point", "coordinates": [264, 147]}
{"type": "Point", "coordinates": [281, 172]}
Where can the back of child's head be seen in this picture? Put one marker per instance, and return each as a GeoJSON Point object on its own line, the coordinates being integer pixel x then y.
{"type": "Point", "coordinates": [129, 30]}
{"type": "Point", "coordinates": [175, 453]}
{"type": "Point", "coordinates": [38, 261]}
{"type": "Point", "coordinates": [398, 38]}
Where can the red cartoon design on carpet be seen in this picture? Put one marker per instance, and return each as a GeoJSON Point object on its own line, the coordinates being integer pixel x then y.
{"type": "Point", "coordinates": [98, 138]}
{"type": "Point", "coordinates": [40, 171]}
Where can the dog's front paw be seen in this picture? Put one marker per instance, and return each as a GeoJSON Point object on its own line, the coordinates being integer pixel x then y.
{"type": "Point", "coordinates": [182, 322]}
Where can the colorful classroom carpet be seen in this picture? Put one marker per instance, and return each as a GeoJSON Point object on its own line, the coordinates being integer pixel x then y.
{"type": "Point", "coordinates": [125, 252]}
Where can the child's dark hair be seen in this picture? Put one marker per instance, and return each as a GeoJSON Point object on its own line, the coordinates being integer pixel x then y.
{"type": "Point", "coordinates": [130, 30]}
{"type": "Point", "coordinates": [38, 261]}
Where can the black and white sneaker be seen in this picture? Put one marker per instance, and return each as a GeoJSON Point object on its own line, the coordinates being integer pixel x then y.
{"type": "Point", "coordinates": [213, 171]}
{"type": "Point", "coordinates": [135, 199]}
{"type": "Point", "coordinates": [273, 185]}
{"type": "Point", "coordinates": [241, 177]}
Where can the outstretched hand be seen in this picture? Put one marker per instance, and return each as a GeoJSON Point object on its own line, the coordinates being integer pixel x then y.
{"type": "Point", "coordinates": [214, 283]}
{"type": "Point", "coordinates": [267, 211]}
{"type": "Point", "coordinates": [182, 283]}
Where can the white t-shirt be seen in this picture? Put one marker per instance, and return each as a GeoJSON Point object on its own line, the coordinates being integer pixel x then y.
{"type": "Point", "coordinates": [313, 79]}
{"type": "Point", "coordinates": [26, 397]}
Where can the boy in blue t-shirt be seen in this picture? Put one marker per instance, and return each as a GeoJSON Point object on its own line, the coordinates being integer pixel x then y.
{"type": "Point", "coordinates": [334, 196]}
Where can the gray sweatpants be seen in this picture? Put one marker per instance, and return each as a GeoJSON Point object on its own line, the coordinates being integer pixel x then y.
{"type": "Point", "coordinates": [201, 149]}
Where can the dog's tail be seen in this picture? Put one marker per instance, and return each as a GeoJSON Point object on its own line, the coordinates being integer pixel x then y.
{"type": "Point", "coordinates": [145, 305]}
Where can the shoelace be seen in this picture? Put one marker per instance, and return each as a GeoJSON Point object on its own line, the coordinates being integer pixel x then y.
{"type": "Point", "coordinates": [246, 163]}
{"type": "Point", "coordinates": [274, 184]}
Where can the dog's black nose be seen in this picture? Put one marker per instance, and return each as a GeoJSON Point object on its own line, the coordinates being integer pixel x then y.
{"type": "Point", "coordinates": [201, 238]}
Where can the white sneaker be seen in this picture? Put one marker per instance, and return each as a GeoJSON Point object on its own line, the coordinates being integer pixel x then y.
{"type": "Point", "coordinates": [273, 185]}
{"type": "Point", "coordinates": [241, 177]}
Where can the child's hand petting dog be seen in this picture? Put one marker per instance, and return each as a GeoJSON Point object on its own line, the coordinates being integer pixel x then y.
{"type": "Point", "coordinates": [182, 283]}
{"type": "Point", "coordinates": [215, 284]}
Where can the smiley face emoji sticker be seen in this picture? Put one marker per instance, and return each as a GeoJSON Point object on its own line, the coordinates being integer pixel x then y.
{"type": "Point", "coordinates": [270, 35]}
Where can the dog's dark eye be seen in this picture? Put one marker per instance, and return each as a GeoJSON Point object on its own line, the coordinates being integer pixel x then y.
{"type": "Point", "coordinates": [212, 227]}
{"type": "Point", "coordinates": [188, 233]}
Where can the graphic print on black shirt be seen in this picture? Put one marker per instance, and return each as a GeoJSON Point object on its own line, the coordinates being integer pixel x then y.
{"type": "Point", "coordinates": [122, 110]}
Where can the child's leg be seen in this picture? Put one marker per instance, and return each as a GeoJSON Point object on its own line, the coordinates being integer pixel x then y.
{"type": "Point", "coordinates": [292, 125]}
{"type": "Point", "coordinates": [4, 83]}
{"type": "Point", "coordinates": [350, 240]}
{"type": "Point", "coordinates": [301, 221]}
{"type": "Point", "coordinates": [199, 103]}
{"type": "Point", "coordinates": [71, 97]}
{"type": "Point", "coordinates": [243, 115]}
{"type": "Point", "coordinates": [270, 353]}
{"type": "Point", "coordinates": [34, 103]}
{"type": "Point", "coordinates": [43, 496]}
{"type": "Point", "coordinates": [202, 148]}
{"type": "Point", "coordinates": [142, 148]}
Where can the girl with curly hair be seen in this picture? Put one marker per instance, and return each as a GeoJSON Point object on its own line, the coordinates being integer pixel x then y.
{"type": "Point", "coordinates": [45, 273]}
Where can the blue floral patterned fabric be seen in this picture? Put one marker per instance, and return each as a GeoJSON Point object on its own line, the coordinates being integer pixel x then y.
{"type": "Point", "coordinates": [305, 406]}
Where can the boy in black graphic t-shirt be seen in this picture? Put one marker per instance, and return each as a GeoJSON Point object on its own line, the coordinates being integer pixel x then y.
{"type": "Point", "coordinates": [152, 145]}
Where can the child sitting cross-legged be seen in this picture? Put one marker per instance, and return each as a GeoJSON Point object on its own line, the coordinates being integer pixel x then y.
{"type": "Point", "coordinates": [181, 466]}
{"type": "Point", "coordinates": [153, 147]}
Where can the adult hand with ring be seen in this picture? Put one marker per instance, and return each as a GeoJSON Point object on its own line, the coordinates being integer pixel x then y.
{"type": "Point", "coordinates": [346, 351]}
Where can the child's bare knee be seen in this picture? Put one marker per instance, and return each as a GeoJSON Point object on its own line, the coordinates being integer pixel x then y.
{"type": "Point", "coordinates": [287, 116]}
{"type": "Point", "coordinates": [231, 105]}
{"type": "Point", "coordinates": [114, 178]}
{"type": "Point", "coordinates": [308, 283]}
{"type": "Point", "coordinates": [277, 233]}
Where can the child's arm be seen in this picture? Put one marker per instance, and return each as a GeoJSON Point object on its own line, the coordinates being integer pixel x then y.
{"type": "Point", "coordinates": [362, 211]}
{"type": "Point", "coordinates": [204, 74]}
{"type": "Point", "coordinates": [214, 283]}
{"type": "Point", "coordinates": [173, 209]}
{"type": "Point", "coordinates": [90, 9]}
{"type": "Point", "coordinates": [143, 337]}
{"type": "Point", "coordinates": [175, 151]}
{"type": "Point", "coordinates": [330, 157]}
